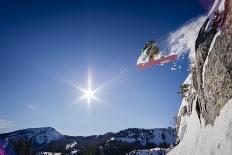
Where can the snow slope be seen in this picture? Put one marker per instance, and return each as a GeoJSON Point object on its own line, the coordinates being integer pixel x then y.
{"type": "Point", "coordinates": [218, 137]}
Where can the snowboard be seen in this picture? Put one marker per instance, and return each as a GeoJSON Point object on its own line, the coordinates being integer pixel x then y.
{"type": "Point", "coordinates": [161, 61]}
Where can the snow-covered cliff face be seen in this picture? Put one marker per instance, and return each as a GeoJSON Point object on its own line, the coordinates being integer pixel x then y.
{"type": "Point", "coordinates": [205, 120]}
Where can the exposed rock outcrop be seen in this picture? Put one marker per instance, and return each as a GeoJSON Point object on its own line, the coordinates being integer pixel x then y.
{"type": "Point", "coordinates": [214, 75]}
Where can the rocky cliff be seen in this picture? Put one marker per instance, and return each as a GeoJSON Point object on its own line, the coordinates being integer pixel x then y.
{"type": "Point", "coordinates": [214, 66]}
{"type": "Point", "coordinates": [204, 121]}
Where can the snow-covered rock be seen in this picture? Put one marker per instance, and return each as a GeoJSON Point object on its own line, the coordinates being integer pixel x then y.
{"type": "Point", "coordinates": [213, 66]}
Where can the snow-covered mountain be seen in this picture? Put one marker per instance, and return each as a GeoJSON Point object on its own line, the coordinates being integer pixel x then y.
{"type": "Point", "coordinates": [36, 135]}
{"type": "Point", "coordinates": [204, 120]}
{"type": "Point", "coordinates": [127, 140]}
{"type": "Point", "coordinates": [39, 140]}
{"type": "Point", "coordinates": [156, 136]}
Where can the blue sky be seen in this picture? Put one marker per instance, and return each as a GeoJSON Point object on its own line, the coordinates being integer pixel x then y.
{"type": "Point", "coordinates": [47, 45]}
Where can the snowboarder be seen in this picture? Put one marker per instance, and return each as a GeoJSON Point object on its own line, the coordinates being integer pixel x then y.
{"type": "Point", "coordinates": [151, 55]}
{"type": "Point", "coordinates": [151, 50]}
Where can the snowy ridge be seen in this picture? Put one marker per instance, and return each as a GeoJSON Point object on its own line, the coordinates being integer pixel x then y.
{"type": "Point", "coordinates": [39, 135]}
{"type": "Point", "coordinates": [144, 137]}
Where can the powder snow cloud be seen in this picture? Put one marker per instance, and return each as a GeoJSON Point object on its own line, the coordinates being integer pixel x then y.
{"type": "Point", "coordinates": [183, 39]}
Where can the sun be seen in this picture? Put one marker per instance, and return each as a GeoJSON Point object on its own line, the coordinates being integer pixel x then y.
{"type": "Point", "coordinates": [89, 94]}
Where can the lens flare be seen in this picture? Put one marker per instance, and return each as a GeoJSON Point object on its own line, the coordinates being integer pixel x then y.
{"type": "Point", "coordinates": [89, 94]}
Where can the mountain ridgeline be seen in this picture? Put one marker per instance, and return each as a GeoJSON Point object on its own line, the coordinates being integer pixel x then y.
{"type": "Point", "coordinates": [48, 140]}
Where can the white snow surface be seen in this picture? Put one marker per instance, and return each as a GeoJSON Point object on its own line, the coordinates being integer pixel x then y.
{"type": "Point", "coordinates": [187, 81]}
{"type": "Point", "coordinates": [183, 123]}
{"type": "Point", "coordinates": [71, 145]}
{"type": "Point", "coordinates": [155, 151]}
{"type": "Point", "coordinates": [155, 136]}
{"type": "Point", "coordinates": [74, 152]}
{"type": "Point", "coordinates": [217, 137]}
{"type": "Point", "coordinates": [41, 135]}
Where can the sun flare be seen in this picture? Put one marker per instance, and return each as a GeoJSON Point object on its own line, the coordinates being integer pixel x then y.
{"type": "Point", "coordinates": [89, 93]}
